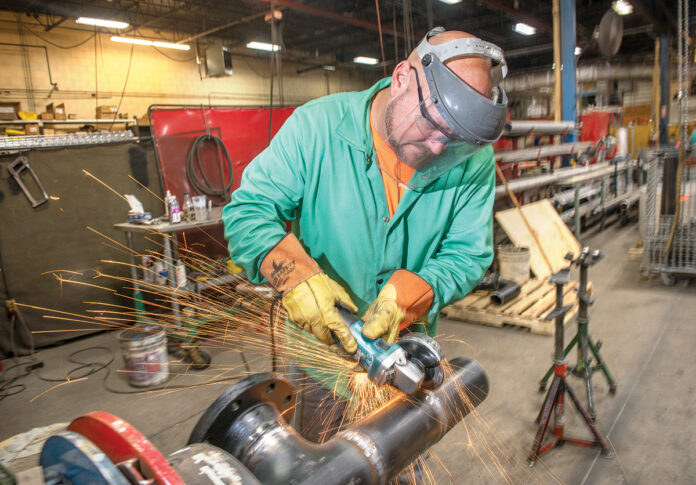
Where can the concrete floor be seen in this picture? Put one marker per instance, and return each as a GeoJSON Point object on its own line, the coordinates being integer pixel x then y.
{"type": "Point", "coordinates": [648, 333]}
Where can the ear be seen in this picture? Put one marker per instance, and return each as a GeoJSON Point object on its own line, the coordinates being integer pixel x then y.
{"type": "Point", "coordinates": [400, 78]}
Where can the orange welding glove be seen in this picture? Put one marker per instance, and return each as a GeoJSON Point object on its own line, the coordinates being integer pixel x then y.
{"type": "Point", "coordinates": [403, 299]}
{"type": "Point", "coordinates": [309, 295]}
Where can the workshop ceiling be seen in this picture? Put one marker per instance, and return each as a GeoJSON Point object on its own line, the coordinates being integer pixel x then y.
{"type": "Point", "coordinates": [315, 32]}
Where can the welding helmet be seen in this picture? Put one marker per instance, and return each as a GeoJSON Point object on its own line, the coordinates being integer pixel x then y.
{"type": "Point", "coordinates": [454, 114]}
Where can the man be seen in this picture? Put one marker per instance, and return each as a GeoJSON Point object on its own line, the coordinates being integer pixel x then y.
{"type": "Point", "coordinates": [390, 193]}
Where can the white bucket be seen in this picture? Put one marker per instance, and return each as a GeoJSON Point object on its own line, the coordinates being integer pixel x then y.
{"type": "Point", "coordinates": [144, 351]}
{"type": "Point", "coordinates": [513, 263]}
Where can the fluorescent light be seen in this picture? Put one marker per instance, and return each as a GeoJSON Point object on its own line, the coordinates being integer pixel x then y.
{"type": "Point", "coordinates": [371, 61]}
{"type": "Point", "coordinates": [169, 45]}
{"type": "Point", "coordinates": [263, 46]}
{"type": "Point", "coordinates": [109, 24]}
{"type": "Point", "coordinates": [155, 43]}
{"type": "Point", "coordinates": [524, 29]}
{"type": "Point", "coordinates": [578, 51]}
{"type": "Point", "coordinates": [131, 40]}
{"type": "Point", "coordinates": [622, 7]}
{"type": "Point", "coordinates": [450, 2]}
{"type": "Point", "coordinates": [328, 67]}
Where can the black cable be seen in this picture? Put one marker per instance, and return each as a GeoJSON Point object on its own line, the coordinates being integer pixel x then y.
{"type": "Point", "coordinates": [8, 386]}
{"type": "Point", "coordinates": [93, 367]}
{"type": "Point", "coordinates": [202, 184]}
{"type": "Point", "coordinates": [99, 366]}
{"type": "Point", "coordinates": [61, 46]}
{"type": "Point", "coordinates": [125, 83]}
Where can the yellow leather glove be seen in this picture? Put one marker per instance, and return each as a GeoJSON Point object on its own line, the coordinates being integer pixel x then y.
{"type": "Point", "coordinates": [312, 306]}
{"type": "Point", "coordinates": [402, 300]}
{"type": "Point", "coordinates": [383, 316]}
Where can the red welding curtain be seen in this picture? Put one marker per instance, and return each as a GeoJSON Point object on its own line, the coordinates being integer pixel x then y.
{"type": "Point", "coordinates": [243, 130]}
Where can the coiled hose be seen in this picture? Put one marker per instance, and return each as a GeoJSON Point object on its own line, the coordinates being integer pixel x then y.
{"type": "Point", "coordinates": [201, 183]}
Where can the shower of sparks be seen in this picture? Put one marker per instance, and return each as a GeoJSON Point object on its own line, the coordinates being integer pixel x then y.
{"type": "Point", "coordinates": [242, 317]}
{"type": "Point", "coordinates": [67, 381]}
{"type": "Point", "coordinates": [144, 187]}
{"type": "Point", "coordinates": [104, 184]}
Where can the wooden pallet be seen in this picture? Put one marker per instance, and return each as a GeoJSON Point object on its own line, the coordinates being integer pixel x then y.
{"type": "Point", "coordinates": [536, 300]}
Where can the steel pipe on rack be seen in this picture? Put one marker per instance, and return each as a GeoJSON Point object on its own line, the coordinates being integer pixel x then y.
{"type": "Point", "coordinates": [542, 127]}
{"type": "Point", "coordinates": [544, 151]}
{"type": "Point", "coordinates": [565, 175]}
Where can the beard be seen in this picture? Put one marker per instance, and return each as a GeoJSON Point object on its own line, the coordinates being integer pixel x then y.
{"type": "Point", "coordinates": [415, 154]}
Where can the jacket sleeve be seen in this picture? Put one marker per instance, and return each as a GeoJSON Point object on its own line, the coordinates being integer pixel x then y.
{"type": "Point", "coordinates": [269, 194]}
{"type": "Point", "coordinates": [466, 251]}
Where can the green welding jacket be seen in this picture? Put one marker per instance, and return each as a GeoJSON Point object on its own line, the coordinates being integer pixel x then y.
{"type": "Point", "coordinates": [320, 171]}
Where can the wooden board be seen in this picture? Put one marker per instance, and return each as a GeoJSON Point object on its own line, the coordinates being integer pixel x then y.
{"type": "Point", "coordinates": [536, 300]}
{"type": "Point", "coordinates": [550, 230]}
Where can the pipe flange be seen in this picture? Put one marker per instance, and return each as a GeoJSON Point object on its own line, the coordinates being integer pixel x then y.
{"type": "Point", "coordinates": [238, 399]}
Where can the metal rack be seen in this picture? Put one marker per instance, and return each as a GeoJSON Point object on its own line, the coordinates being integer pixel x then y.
{"type": "Point", "coordinates": [669, 245]}
{"type": "Point", "coordinates": [15, 143]}
{"type": "Point", "coordinates": [62, 140]}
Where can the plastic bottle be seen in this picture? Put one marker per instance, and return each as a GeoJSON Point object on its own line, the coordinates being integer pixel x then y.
{"type": "Point", "coordinates": [187, 208]}
{"type": "Point", "coordinates": [167, 202]}
{"type": "Point", "coordinates": [180, 272]}
{"type": "Point", "coordinates": [174, 211]}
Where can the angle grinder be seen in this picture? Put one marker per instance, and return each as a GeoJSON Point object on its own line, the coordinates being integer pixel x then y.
{"type": "Point", "coordinates": [411, 364]}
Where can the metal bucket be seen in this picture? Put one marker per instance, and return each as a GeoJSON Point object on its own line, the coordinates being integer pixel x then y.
{"type": "Point", "coordinates": [144, 351]}
{"type": "Point", "coordinates": [513, 263]}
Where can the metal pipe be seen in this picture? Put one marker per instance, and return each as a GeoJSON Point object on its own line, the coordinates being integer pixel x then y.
{"type": "Point", "coordinates": [371, 451]}
{"type": "Point", "coordinates": [48, 64]}
{"type": "Point", "coordinates": [320, 12]}
{"type": "Point", "coordinates": [584, 73]}
{"type": "Point", "coordinates": [543, 151]}
{"type": "Point", "coordinates": [205, 33]}
{"type": "Point", "coordinates": [503, 290]}
{"type": "Point", "coordinates": [541, 127]}
{"type": "Point", "coordinates": [566, 175]}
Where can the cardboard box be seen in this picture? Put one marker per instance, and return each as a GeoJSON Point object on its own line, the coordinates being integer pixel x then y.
{"type": "Point", "coordinates": [31, 129]}
{"type": "Point", "coordinates": [46, 116]}
{"type": "Point", "coordinates": [106, 112]}
{"type": "Point", "coordinates": [48, 131]}
{"type": "Point", "coordinates": [72, 116]}
{"type": "Point", "coordinates": [7, 113]}
{"type": "Point", "coordinates": [58, 111]}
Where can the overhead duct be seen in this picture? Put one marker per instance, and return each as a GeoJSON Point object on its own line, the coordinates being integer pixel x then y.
{"type": "Point", "coordinates": [583, 74]}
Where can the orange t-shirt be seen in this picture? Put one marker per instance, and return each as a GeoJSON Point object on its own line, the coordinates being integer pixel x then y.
{"type": "Point", "coordinates": [392, 169]}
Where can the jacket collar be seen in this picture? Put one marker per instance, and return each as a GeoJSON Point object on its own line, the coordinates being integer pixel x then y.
{"type": "Point", "coordinates": [354, 127]}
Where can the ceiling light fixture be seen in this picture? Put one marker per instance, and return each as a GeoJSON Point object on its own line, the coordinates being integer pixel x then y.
{"type": "Point", "coordinates": [154, 43]}
{"type": "Point", "coordinates": [263, 46]}
{"type": "Point", "coordinates": [109, 24]}
{"type": "Point", "coordinates": [130, 40]}
{"type": "Point", "coordinates": [370, 61]}
{"type": "Point", "coordinates": [450, 2]}
{"type": "Point", "coordinates": [622, 7]}
{"type": "Point", "coordinates": [169, 45]}
{"type": "Point", "coordinates": [328, 67]}
{"type": "Point", "coordinates": [524, 29]}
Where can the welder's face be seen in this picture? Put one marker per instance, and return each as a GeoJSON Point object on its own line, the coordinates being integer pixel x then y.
{"type": "Point", "coordinates": [415, 130]}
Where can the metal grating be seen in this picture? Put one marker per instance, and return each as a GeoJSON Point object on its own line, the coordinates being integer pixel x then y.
{"type": "Point", "coordinates": [681, 258]}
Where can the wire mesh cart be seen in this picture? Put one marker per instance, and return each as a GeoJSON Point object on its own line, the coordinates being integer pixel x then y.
{"type": "Point", "coordinates": [670, 215]}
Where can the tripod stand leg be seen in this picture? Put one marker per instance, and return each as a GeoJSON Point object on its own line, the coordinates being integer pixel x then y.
{"type": "Point", "coordinates": [545, 415]}
{"type": "Point", "coordinates": [541, 411]}
{"type": "Point", "coordinates": [603, 366]}
{"type": "Point", "coordinates": [599, 439]}
{"type": "Point", "coordinates": [569, 347]}
{"type": "Point", "coordinates": [587, 371]}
